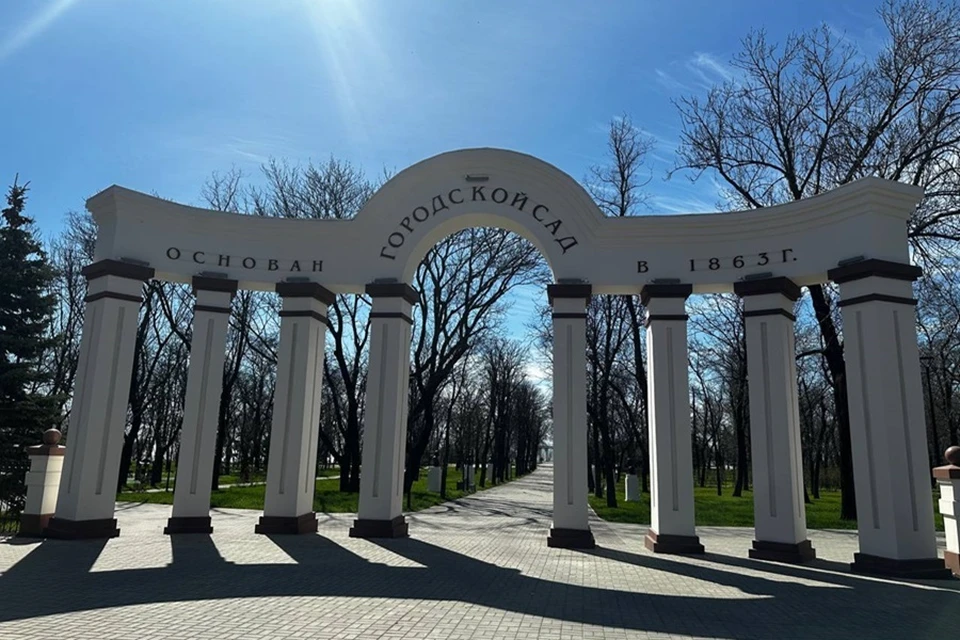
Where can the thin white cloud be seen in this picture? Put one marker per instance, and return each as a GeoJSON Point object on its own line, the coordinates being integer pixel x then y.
{"type": "Point", "coordinates": [710, 69]}
{"type": "Point", "coordinates": [35, 26]}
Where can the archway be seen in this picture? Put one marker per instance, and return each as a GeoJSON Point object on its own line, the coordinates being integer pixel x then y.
{"type": "Point", "coordinates": [854, 236]}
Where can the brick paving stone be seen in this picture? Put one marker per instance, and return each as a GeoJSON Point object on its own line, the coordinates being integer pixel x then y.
{"type": "Point", "coordinates": [475, 568]}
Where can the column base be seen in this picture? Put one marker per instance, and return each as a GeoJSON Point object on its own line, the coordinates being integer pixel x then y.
{"type": "Point", "coordinates": [666, 543]}
{"type": "Point", "coordinates": [81, 529]}
{"type": "Point", "coordinates": [796, 553]}
{"type": "Point", "coordinates": [192, 524]}
{"type": "Point", "coordinates": [923, 568]}
{"type": "Point", "coordinates": [571, 539]}
{"type": "Point", "coordinates": [364, 528]}
{"type": "Point", "coordinates": [292, 525]}
{"type": "Point", "coordinates": [952, 560]}
{"type": "Point", "coordinates": [32, 525]}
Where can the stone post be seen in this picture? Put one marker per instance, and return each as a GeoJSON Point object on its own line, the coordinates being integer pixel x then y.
{"type": "Point", "coordinates": [292, 465]}
{"type": "Point", "coordinates": [98, 413]}
{"type": "Point", "coordinates": [385, 417]}
{"type": "Point", "coordinates": [434, 477]}
{"type": "Point", "coordinates": [570, 525]}
{"type": "Point", "coordinates": [887, 425]}
{"type": "Point", "coordinates": [948, 477]}
{"type": "Point", "coordinates": [631, 488]}
{"type": "Point", "coordinates": [672, 528]}
{"type": "Point", "coordinates": [778, 507]}
{"type": "Point", "coordinates": [201, 407]}
{"type": "Point", "coordinates": [43, 484]}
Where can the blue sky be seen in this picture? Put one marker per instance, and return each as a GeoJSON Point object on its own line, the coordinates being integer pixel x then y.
{"type": "Point", "coordinates": [156, 94]}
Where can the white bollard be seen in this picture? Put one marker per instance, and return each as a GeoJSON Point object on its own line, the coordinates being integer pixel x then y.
{"type": "Point", "coordinates": [469, 479]}
{"type": "Point", "coordinates": [948, 478]}
{"type": "Point", "coordinates": [43, 484]}
{"type": "Point", "coordinates": [489, 472]}
{"type": "Point", "coordinates": [434, 477]}
{"type": "Point", "coordinates": [632, 483]}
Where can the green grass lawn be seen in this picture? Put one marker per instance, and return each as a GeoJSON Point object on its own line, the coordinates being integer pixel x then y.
{"type": "Point", "coordinates": [728, 511]}
{"type": "Point", "coordinates": [327, 498]}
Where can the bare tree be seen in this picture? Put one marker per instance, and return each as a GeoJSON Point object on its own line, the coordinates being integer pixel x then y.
{"type": "Point", "coordinates": [803, 117]}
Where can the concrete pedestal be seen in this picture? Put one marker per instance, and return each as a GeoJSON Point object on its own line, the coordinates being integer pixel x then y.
{"type": "Point", "coordinates": [291, 468]}
{"type": "Point", "coordinates": [385, 417]}
{"type": "Point", "coordinates": [884, 394]}
{"type": "Point", "coordinates": [201, 408]}
{"type": "Point", "coordinates": [434, 479]}
{"type": "Point", "coordinates": [98, 414]}
{"type": "Point", "coordinates": [948, 477]}
{"type": "Point", "coordinates": [778, 507]}
{"type": "Point", "coordinates": [672, 527]}
{"type": "Point", "coordinates": [43, 485]}
{"type": "Point", "coordinates": [570, 528]}
{"type": "Point", "coordinates": [631, 487]}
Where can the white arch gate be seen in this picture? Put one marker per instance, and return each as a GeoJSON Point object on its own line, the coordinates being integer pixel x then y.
{"type": "Point", "coordinates": [854, 236]}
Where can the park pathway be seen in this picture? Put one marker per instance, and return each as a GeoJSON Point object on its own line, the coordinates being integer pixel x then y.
{"type": "Point", "coordinates": [475, 568]}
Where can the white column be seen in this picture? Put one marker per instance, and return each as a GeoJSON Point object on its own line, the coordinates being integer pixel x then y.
{"type": "Point", "coordinates": [570, 528]}
{"type": "Point", "coordinates": [43, 484]}
{"type": "Point", "coordinates": [385, 416]}
{"type": "Point", "coordinates": [948, 477]}
{"type": "Point", "coordinates": [98, 414]}
{"type": "Point", "coordinates": [295, 431]}
{"type": "Point", "coordinates": [779, 513]}
{"type": "Point", "coordinates": [887, 425]}
{"type": "Point", "coordinates": [201, 407]}
{"type": "Point", "coordinates": [672, 527]}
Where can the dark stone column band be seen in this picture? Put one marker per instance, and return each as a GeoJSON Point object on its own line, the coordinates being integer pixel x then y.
{"type": "Point", "coordinates": [81, 529]}
{"type": "Point", "coordinates": [784, 286]}
{"type": "Point", "coordinates": [113, 295]}
{"type": "Point", "coordinates": [221, 285]}
{"type": "Point", "coordinates": [571, 539]}
{"type": "Point", "coordinates": [304, 313]}
{"type": "Point", "coordinates": [32, 525]}
{"type": "Point", "coordinates": [952, 562]}
{"type": "Point", "coordinates": [874, 267]}
{"type": "Point", "coordinates": [364, 528]}
{"type": "Point", "coordinates": [651, 317]}
{"type": "Point", "coordinates": [46, 450]}
{"type": "Point", "coordinates": [796, 553]}
{"type": "Point", "coordinates": [770, 312]}
{"type": "Point", "coordinates": [196, 524]}
{"type": "Point", "coordinates": [946, 472]}
{"type": "Point", "coordinates": [665, 291]}
{"type": "Point", "coordinates": [570, 316]}
{"type": "Point", "coordinates": [393, 290]}
{"type": "Point", "coordinates": [292, 525]}
{"type": "Point", "coordinates": [659, 543]}
{"type": "Point", "coordinates": [877, 297]}
{"type": "Point", "coordinates": [392, 314]}
{"type": "Point", "coordinates": [306, 290]}
{"type": "Point", "coordinates": [117, 268]}
{"type": "Point", "coordinates": [582, 291]}
{"type": "Point", "coordinates": [211, 309]}
{"type": "Point", "coordinates": [921, 568]}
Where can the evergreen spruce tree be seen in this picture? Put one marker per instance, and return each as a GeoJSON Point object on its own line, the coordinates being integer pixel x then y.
{"type": "Point", "coordinates": [26, 306]}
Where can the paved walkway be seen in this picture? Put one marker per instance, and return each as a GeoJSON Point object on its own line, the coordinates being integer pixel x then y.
{"type": "Point", "coordinates": [477, 568]}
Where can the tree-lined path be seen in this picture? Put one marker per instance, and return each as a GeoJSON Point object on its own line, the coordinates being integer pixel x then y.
{"type": "Point", "coordinates": [476, 568]}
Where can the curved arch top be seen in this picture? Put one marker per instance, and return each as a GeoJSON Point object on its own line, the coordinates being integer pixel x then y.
{"type": "Point", "coordinates": [494, 187]}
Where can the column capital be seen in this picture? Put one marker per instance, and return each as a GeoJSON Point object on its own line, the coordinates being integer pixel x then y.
{"type": "Point", "coordinates": [784, 286]}
{"type": "Point", "coordinates": [306, 290]}
{"type": "Point", "coordinates": [220, 285]}
{"type": "Point", "coordinates": [658, 290]}
{"type": "Point", "coordinates": [874, 267]}
{"type": "Point", "coordinates": [578, 290]}
{"type": "Point", "coordinates": [393, 290]}
{"type": "Point", "coordinates": [117, 268]}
